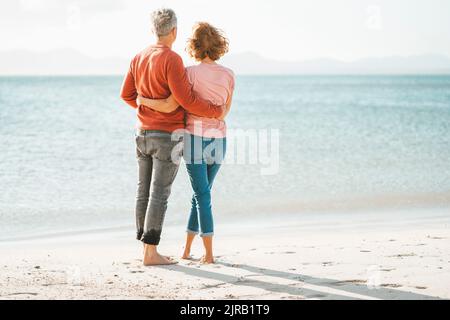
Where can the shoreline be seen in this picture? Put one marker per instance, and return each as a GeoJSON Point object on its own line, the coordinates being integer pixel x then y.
{"type": "Point", "coordinates": [265, 214]}
{"type": "Point", "coordinates": [355, 256]}
{"type": "Point", "coordinates": [264, 219]}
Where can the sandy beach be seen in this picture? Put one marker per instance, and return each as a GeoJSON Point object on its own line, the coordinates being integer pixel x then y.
{"type": "Point", "coordinates": [353, 255]}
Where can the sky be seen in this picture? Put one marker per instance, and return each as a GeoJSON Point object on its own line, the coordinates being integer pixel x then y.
{"type": "Point", "coordinates": [277, 29]}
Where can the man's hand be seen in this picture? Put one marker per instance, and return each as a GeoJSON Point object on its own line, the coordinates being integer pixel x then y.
{"type": "Point", "coordinates": [224, 114]}
{"type": "Point", "coordinates": [226, 108]}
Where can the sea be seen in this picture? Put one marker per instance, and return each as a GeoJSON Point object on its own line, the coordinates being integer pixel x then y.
{"type": "Point", "coordinates": [312, 144]}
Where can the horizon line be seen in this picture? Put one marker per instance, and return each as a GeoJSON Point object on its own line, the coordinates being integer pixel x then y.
{"type": "Point", "coordinates": [306, 59]}
{"type": "Point", "coordinates": [446, 73]}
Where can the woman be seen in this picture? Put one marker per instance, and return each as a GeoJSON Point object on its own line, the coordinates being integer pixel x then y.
{"type": "Point", "coordinates": [205, 138]}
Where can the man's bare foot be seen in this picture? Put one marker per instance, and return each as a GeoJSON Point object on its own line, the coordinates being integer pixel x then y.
{"type": "Point", "coordinates": [143, 251]}
{"type": "Point", "coordinates": [207, 260]}
{"type": "Point", "coordinates": [158, 260]}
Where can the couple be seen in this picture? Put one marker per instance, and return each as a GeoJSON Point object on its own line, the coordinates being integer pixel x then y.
{"type": "Point", "coordinates": [170, 99]}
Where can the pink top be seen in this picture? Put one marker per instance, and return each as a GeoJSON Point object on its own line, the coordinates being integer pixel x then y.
{"type": "Point", "coordinates": [215, 83]}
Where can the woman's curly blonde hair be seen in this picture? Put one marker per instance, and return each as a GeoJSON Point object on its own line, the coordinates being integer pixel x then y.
{"type": "Point", "coordinates": [207, 41]}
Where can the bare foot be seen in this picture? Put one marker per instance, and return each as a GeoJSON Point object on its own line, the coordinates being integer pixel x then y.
{"type": "Point", "coordinates": [143, 251]}
{"type": "Point", "coordinates": [157, 260]}
{"type": "Point", "coordinates": [187, 248]}
{"type": "Point", "coordinates": [207, 260]}
{"type": "Point", "coordinates": [187, 255]}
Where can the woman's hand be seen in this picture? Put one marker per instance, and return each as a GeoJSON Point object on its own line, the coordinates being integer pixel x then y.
{"type": "Point", "coordinates": [139, 100]}
{"type": "Point", "coordinates": [161, 105]}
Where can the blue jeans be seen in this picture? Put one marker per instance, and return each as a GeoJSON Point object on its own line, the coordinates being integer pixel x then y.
{"type": "Point", "coordinates": [203, 157]}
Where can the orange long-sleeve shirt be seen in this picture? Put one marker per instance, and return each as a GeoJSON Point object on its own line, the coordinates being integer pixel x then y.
{"type": "Point", "coordinates": [157, 72]}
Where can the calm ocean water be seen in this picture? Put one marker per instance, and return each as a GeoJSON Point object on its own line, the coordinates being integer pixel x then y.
{"type": "Point", "coordinates": [67, 149]}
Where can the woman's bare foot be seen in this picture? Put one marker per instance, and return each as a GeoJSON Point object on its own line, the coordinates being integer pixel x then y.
{"type": "Point", "coordinates": [187, 248]}
{"type": "Point", "coordinates": [187, 255]}
{"type": "Point", "coordinates": [207, 260]}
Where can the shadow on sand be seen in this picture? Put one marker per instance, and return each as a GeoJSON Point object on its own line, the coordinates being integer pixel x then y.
{"type": "Point", "coordinates": [303, 286]}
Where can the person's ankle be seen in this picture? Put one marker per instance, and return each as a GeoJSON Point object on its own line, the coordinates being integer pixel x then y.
{"type": "Point", "coordinates": [150, 250]}
{"type": "Point", "coordinates": [207, 258]}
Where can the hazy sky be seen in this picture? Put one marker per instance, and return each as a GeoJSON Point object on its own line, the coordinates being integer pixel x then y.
{"type": "Point", "coordinates": [280, 29]}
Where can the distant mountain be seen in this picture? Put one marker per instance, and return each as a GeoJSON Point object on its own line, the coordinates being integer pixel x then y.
{"type": "Point", "coordinates": [71, 62]}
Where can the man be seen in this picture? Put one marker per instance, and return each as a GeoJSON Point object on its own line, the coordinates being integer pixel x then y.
{"type": "Point", "coordinates": [157, 72]}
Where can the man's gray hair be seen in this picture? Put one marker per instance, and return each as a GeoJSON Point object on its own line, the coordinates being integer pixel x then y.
{"type": "Point", "coordinates": [163, 21]}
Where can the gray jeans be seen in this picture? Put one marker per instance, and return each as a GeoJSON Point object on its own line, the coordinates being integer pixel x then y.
{"type": "Point", "coordinates": [158, 162]}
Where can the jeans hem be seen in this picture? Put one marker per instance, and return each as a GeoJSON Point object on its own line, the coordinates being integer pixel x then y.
{"type": "Point", "coordinates": [208, 234]}
{"type": "Point", "coordinates": [191, 231]}
{"type": "Point", "coordinates": [151, 239]}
